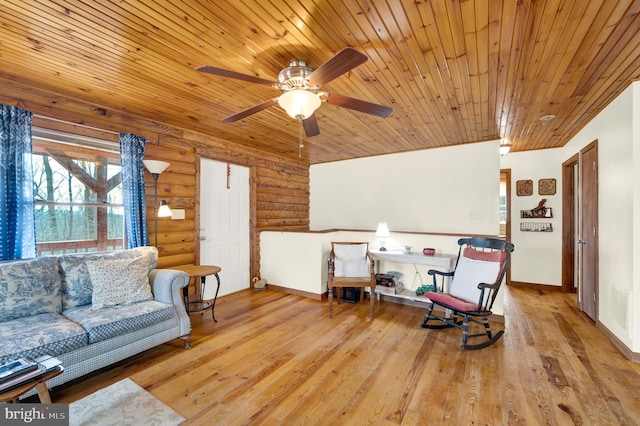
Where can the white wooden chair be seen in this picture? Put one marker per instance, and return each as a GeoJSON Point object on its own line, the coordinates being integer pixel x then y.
{"type": "Point", "coordinates": [351, 265]}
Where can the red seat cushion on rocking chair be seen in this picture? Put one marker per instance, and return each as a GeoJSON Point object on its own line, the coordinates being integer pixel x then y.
{"type": "Point", "coordinates": [451, 301]}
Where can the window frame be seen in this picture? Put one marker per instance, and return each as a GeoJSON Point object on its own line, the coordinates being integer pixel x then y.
{"type": "Point", "coordinates": [64, 148]}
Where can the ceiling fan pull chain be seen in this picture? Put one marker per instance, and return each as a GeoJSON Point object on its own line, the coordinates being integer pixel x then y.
{"type": "Point", "coordinates": [300, 144]}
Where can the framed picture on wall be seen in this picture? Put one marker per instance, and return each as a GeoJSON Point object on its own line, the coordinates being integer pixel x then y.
{"type": "Point", "coordinates": [547, 187]}
{"type": "Point", "coordinates": [524, 187]}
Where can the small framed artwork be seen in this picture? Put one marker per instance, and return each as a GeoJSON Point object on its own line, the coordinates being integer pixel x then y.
{"type": "Point", "coordinates": [524, 187]}
{"type": "Point", "coordinates": [547, 187]}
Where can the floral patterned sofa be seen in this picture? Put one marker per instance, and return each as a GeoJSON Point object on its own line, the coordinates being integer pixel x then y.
{"type": "Point", "coordinates": [90, 310]}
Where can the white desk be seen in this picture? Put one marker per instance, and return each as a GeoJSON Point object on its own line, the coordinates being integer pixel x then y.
{"type": "Point", "coordinates": [444, 261]}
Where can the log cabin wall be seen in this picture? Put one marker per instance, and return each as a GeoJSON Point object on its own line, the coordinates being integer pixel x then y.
{"type": "Point", "coordinates": [279, 186]}
{"type": "Point", "coordinates": [279, 194]}
{"type": "Point", "coordinates": [177, 239]}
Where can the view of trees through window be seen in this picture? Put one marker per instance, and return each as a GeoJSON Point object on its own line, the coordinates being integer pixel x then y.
{"type": "Point", "coordinates": [78, 195]}
{"type": "Point", "coordinates": [502, 212]}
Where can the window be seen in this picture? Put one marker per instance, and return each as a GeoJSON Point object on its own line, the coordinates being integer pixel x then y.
{"type": "Point", "coordinates": [78, 193]}
{"type": "Point", "coordinates": [502, 212]}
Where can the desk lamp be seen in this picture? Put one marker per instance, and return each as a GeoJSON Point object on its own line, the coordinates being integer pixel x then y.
{"type": "Point", "coordinates": [383, 233]}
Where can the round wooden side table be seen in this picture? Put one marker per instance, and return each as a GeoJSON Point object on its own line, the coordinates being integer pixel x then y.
{"type": "Point", "coordinates": [202, 271]}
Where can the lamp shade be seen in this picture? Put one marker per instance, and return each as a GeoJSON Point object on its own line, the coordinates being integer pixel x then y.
{"type": "Point", "coordinates": [383, 230]}
{"type": "Point", "coordinates": [155, 166]}
{"type": "Point", "coordinates": [164, 210]}
{"type": "Point", "coordinates": [299, 104]}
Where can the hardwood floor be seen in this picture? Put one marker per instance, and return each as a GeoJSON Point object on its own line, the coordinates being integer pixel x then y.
{"type": "Point", "coordinates": [276, 359]}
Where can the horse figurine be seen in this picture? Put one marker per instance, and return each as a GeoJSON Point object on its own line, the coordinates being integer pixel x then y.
{"type": "Point", "coordinates": [540, 210]}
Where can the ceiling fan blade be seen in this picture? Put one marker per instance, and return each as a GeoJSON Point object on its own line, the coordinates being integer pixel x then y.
{"type": "Point", "coordinates": [346, 60]}
{"type": "Point", "coordinates": [236, 75]}
{"type": "Point", "coordinates": [252, 110]}
{"type": "Point", "coordinates": [310, 125]}
{"type": "Point", "coordinates": [358, 105]}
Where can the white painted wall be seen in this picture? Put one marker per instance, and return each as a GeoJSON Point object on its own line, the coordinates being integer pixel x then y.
{"type": "Point", "coordinates": [294, 260]}
{"type": "Point", "coordinates": [617, 219]}
{"type": "Point", "coordinates": [538, 255]}
{"type": "Point", "coordinates": [634, 299]}
{"type": "Point", "coordinates": [446, 190]}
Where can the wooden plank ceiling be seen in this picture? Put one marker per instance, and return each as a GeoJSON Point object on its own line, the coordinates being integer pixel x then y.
{"type": "Point", "coordinates": [453, 71]}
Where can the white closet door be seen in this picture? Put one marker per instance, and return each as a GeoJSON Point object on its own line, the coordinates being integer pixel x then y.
{"type": "Point", "coordinates": [224, 224]}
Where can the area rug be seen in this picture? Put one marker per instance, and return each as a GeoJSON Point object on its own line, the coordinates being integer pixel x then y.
{"type": "Point", "coordinates": [122, 403]}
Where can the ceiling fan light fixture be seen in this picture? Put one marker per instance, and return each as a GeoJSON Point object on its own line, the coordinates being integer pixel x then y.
{"type": "Point", "coordinates": [299, 103]}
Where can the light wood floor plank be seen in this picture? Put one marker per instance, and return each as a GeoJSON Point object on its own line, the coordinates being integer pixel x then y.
{"type": "Point", "coordinates": [276, 359]}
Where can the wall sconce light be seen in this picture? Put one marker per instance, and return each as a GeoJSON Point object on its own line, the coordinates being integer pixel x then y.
{"type": "Point", "coordinates": [156, 168]}
{"type": "Point", "coordinates": [382, 233]}
{"type": "Point", "coordinates": [164, 210]}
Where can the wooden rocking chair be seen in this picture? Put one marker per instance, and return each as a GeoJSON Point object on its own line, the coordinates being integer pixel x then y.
{"type": "Point", "coordinates": [480, 269]}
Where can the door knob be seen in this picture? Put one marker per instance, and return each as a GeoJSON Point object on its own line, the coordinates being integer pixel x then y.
{"type": "Point", "coordinates": [203, 238]}
{"type": "Point", "coordinates": [582, 242]}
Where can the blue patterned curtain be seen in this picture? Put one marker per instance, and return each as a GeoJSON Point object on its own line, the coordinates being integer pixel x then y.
{"type": "Point", "coordinates": [132, 149]}
{"type": "Point", "coordinates": [17, 215]}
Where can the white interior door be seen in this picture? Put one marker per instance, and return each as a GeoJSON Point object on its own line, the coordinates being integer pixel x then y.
{"type": "Point", "coordinates": [224, 224]}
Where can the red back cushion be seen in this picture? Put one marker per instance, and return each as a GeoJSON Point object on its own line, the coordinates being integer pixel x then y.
{"type": "Point", "coordinates": [489, 256]}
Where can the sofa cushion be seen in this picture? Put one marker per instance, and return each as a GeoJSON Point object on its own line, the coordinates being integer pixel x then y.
{"type": "Point", "coordinates": [37, 335]}
{"type": "Point", "coordinates": [118, 281]}
{"type": "Point", "coordinates": [112, 321]}
{"type": "Point", "coordinates": [76, 282]}
{"type": "Point", "coordinates": [29, 287]}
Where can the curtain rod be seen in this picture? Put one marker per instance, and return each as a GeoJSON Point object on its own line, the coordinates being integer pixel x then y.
{"type": "Point", "coordinates": [72, 138]}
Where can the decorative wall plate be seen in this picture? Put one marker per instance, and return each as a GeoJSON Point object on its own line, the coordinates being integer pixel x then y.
{"type": "Point", "coordinates": [524, 187]}
{"type": "Point", "coordinates": [547, 187]}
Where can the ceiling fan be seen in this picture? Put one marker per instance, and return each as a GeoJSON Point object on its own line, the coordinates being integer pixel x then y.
{"type": "Point", "coordinates": [301, 89]}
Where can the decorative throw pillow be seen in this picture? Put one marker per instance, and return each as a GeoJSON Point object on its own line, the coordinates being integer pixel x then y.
{"type": "Point", "coordinates": [470, 272]}
{"type": "Point", "coordinates": [119, 281]}
{"type": "Point", "coordinates": [76, 283]}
